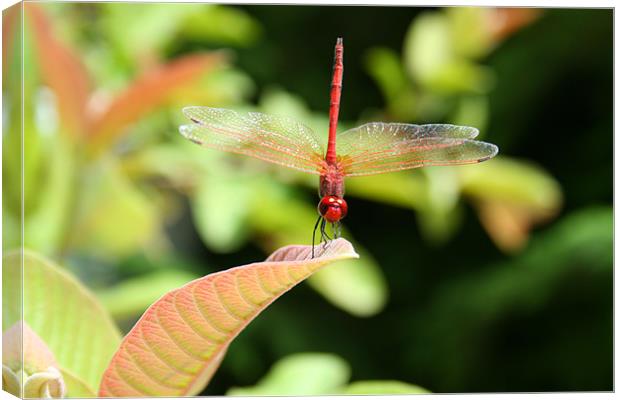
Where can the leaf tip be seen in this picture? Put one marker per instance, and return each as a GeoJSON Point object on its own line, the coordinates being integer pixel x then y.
{"type": "Point", "coordinates": [333, 250]}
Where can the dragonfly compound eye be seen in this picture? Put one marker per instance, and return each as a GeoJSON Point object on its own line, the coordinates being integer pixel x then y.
{"type": "Point", "coordinates": [333, 208]}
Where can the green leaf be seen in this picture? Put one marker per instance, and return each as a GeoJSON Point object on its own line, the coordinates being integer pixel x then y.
{"type": "Point", "coordinates": [303, 374]}
{"type": "Point", "coordinates": [45, 222]}
{"type": "Point", "coordinates": [62, 312]}
{"type": "Point", "coordinates": [383, 387]}
{"type": "Point", "coordinates": [221, 24]}
{"type": "Point", "coordinates": [356, 286]}
{"type": "Point", "coordinates": [133, 295]}
{"type": "Point", "coordinates": [115, 217]}
{"type": "Point", "coordinates": [179, 342]}
{"type": "Point", "coordinates": [511, 180]}
{"type": "Point", "coordinates": [385, 67]}
{"type": "Point", "coordinates": [511, 197]}
{"type": "Point", "coordinates": [472, 111]}
{"type": "Point", "coordinates": [220, 207]}
{"type": "Point", "coordinates": [279, 102]}
{"type": "Point", "coordinates": [431, 59]}
{"type": "Point", "coordinates": [470, 30]}
{"type": "Point", "coordinates": [76, 387]}
{"type": "Point", "coordinates": [12, 229]}
{"type": "Point", "coordinates": [158, 25]}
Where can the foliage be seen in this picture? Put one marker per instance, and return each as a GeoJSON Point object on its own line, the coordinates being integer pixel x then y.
{"type": "Point", "coordinates": [318, 374]}
{"type": "Point", "coordinates": [179, 342]}
{"type": "Point", "coordinates": [62, 313]}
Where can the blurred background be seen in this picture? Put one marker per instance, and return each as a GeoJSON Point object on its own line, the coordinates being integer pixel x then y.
{"type": "Point", "coordinates": [492, 277]}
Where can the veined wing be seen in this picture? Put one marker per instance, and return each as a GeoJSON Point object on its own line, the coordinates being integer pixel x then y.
{"type": "Point", "coordinates": [379, 147]}
{"type": "Point", "coordinates": [279, 140]}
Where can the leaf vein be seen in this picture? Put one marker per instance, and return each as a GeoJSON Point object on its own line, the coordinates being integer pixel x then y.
{"type": "Point", "coordinates": [252, 304]}
{"type": "Point", "coordinates": [224, 305]}
{"type": "Point", "coordinates": [197, 332]}
{"type": "Point", "coordinates": [173, 340]}
{"type": "Point", "coordinates": [148, 375]}
{"type": "Point", "coordinates": [204, 315]}
{"type": "Point", "coordinates": [161, 358]}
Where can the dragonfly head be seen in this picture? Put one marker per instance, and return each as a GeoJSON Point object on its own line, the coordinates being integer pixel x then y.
{"type": "Point", "coordinates": [333, 208]}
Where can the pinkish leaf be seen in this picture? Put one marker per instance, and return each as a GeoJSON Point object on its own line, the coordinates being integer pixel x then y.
{"type": "Point", "coordinates": [37, 356]}
{"type": "Point", "coordinates": [176, 346]}
{"type": "Point", "coordinates": [10, 25]}
{"type": "Point", "coordinates": [504, 21]}
{"type": "Point", "coordinates": [61, 70]}
{"type": "Point", "coordinates": [38, 368]}
{"type": "Point", "coordinates": [151, 90]}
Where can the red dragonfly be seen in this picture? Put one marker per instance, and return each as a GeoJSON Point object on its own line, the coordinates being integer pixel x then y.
{"type": "Point", "coordinates": [369, 149]}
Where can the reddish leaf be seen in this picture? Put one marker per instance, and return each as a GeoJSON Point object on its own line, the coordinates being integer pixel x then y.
{"type": "Point", "coordinates": [177, 345]}
{"type": "Point", "coordinates": [10, 23]}
{"type": "Point", "coordinates": [150, 91]}
{"type": "Point", "coordinates": [24, 349]}
{"type": "Point", "coordinates": [505, 21]}
{"type": "Point", "coordinates": [61, 70]}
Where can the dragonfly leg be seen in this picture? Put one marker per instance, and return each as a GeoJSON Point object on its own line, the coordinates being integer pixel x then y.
{"type": "Point", "coordinates": [336, 228]}
{"type": "Point", "coordinates": [314, 233]}
{"type": "Point", "coordinates": [324, 236]}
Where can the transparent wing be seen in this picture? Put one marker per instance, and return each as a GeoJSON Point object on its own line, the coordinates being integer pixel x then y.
{"type": "Point", "coordinates": [279, 140]}
{"type": "Point", "coordinates": [378, 147]}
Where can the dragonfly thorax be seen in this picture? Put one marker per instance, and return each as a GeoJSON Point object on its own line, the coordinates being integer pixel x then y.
{"type": "Point", "coordinates": [333, 208]}
{"type": "Point", "coordinates": [331, 182]}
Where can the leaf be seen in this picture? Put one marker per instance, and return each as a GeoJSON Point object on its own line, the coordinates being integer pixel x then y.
{"type": "Point", "coordinates": [45, 222]}
{"type": "Point", "coordinates": [504, 21]}
{"type": "Point", "coordinates": [512, 180]}
{"type": "Point", "coordinates": [177, 345]}
{"type": "Point", "coordinates": [158, 26]}
{"type": "Point", "coordinates": [76, 387]}
{"type": "Point", "coordinates": [115, 217]}
{"type": "Point", "coordinates": [62, 312]}
{"type": "Point", "coordinates": [472, 111]}
{"type": "Point", "coordinates": [221, 24]}
{"type": "Point", "coordinates": [385, 67]}
{"type": "Point", "coordinates": [45, 384]}
{"type": "Point", "coordinates": [133, 295]}
{"type": "Point", "coordinates": [220, 208]}
{"type": "Point", "coordinates": [11, 23]}
{"type": "Point", "coordinates": [24, 349]}
{"type": "Point", "coordinates": [439, 215]}
{"type": "Point", "coordinates": [470, 31]}
{"type": "Point", "coordinates": [383, 387]}
{"type": "Point", "coordinates": [153, 89]}
{"type": "Point", "coordinates": [62, 70]}
{"type": "Point", "coordinates": [356, 286]}
{"type": "Point", "coordinates": [511, 196]}
{"type": "Point", "coordinates": [431, 58]}
{"type": "Point", "coordinates": [402, 189]}
{"type": "Point", "coordinates": [303, 374]}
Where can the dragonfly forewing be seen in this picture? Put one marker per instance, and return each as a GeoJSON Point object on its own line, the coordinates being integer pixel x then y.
{"type": "Point", "coordinates": [378, 147]}
{"type": "Point", "coordinates": [280, 140]}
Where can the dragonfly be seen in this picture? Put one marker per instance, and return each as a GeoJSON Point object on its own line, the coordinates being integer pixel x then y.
{"type": "Point", "coordinates": [369, 149]}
